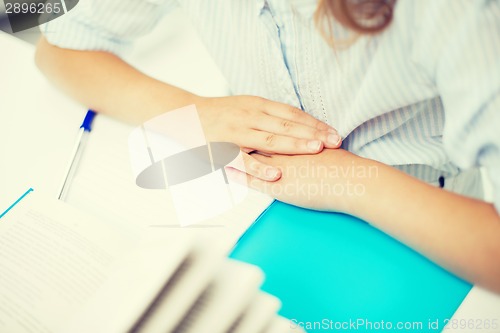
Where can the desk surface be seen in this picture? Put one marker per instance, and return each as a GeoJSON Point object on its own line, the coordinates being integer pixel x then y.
{"type": "Point", "coordinates": [34, 117]}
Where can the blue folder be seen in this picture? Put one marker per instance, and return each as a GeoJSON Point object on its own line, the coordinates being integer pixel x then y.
{"type": "Point", "coordinates": [333, 269]}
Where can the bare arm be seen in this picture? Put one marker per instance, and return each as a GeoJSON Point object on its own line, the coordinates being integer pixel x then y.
{"type": "Point", "coordinates": [105, 83]}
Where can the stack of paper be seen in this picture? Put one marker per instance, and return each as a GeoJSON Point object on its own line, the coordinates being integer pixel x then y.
{"type": "Point", "coordinates": [62, 271]}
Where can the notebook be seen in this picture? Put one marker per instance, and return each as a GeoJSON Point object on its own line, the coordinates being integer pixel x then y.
{"type": "Point", "coordinates": [332, 269]}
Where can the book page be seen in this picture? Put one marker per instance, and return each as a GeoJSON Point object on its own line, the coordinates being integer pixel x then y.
{"type": "Point", "coordinates": [224, 300]}
{"type": "Point", "coordinates": [133, 286]}
{"type": "Point", "coordinates": [62, 271]}
{"type": "Point", "coordinates": [52, 260]}
{"type": "Point", "coordinates": [258, 315]}
{"type": "Point", "coordinates": [183, 289]}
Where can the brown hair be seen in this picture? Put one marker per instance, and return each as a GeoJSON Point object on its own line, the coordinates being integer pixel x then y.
{"type": "Point", "coordinates": [359, 16]}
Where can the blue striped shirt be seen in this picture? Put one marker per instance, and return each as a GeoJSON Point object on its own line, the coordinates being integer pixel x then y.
{"type": "Point", "coordinates": [423, 96]}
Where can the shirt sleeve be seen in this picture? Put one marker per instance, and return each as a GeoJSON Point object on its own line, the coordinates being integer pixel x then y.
{"type": "Point", "coordinates": [458, 43]}
{"type": "Point", "coordinates": [105, 25]}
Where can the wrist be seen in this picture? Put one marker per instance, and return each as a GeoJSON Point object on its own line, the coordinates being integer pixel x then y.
{"type": "Point", "coordinates": [361, 189]}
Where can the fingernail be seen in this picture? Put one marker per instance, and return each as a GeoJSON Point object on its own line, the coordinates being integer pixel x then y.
{"type": "Point", "coordinates": [271, 173]}
{"type": "Point", "coordinates": [333, 139]}
{"type": "Point", "coordinates": [314, 145]}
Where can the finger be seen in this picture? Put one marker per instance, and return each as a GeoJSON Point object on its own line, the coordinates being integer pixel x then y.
{"type": "Point", "coordinates": [248, 164]}
{"type": "Point", "coordinates": [236, 176]}
{"type": "Point", "coordinates": [252, 182]}
{"type": "Point", "coordinates": [247, 150]}
{"type": "Point", "coordinates": [297, 115]}
{"type": "Point", "coordinates": [291, 128]}
{"type": "Point", "coordinates": [274, 143]}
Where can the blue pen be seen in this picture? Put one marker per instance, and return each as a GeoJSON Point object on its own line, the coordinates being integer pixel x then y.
{"type": "Point", "coordinates": [76, 154]}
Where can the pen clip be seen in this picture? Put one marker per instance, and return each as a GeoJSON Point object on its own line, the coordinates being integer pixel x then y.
{"type": "Point", "coordinates": [87, 122]}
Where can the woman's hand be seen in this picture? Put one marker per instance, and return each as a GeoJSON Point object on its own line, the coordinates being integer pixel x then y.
{"type": "Point", "coordinates": [330, 181]}
{"type": "Point", "coordinates": [257, 124]}
{"type": "Point", "coordinates": [252, 123]}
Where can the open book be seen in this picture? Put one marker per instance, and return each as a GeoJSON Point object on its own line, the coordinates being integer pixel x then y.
{"type": "Point", "coordinates": [62, 271]}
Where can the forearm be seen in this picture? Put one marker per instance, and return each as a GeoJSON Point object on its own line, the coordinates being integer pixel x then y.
{"type": "Point", "coordinates": [457, 232]}
{"type": "Point", "coordinates": [105, 83]}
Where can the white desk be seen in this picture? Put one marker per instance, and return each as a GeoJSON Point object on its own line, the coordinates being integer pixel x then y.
{"type": "Point", "coordinates": [38, 124]}
{"type": "Point", "coordinates": [38, 159]}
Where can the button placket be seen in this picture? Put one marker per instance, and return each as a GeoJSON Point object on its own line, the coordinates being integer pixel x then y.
{"type": "Point", "coordinates": [277, 71]}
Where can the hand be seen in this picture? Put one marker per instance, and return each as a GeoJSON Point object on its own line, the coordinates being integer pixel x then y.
{"type": "Point", "coordinates": [257, 124]}
{"type": "Point", "coordinates": [330, 181]}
